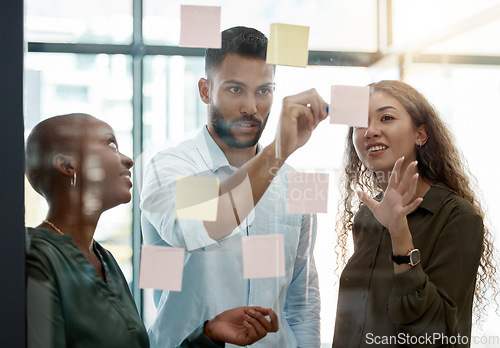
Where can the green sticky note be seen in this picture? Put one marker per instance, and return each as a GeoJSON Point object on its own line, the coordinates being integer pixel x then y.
{"type": "Point", "coordinates": [196, 198]}
{"type": "Point", "coordinates": [288, 45]}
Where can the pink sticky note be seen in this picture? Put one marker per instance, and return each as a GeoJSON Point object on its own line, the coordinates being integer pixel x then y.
{"type": "Point", "coordinates": [263, 256]}
{"type": "Point", "coordinates": [161, 268]}
{"type": "Point", "coordinates": [307, 193]}
{"type": "Point", "coordinates": [200, 26]}
{"type": "Point", "coordinates": [349, 105]}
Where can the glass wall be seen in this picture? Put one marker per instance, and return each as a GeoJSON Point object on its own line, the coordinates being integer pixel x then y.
{"type": "Point", "coordinates": [467, 97]}
{"type": "Point", "coordinates": [448, 50]}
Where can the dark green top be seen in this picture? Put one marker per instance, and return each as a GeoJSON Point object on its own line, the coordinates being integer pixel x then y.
{"type": "Point", "coordinates": [434, 298]}
{"type": "Point", "coordinates": [69, 305]}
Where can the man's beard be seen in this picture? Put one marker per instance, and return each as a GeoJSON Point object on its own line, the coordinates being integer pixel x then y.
{"type": "Point", "coordinates": [223, 128]}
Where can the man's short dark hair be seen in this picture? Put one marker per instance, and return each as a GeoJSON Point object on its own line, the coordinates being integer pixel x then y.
{"type": "Point", "coordinates": [238, 40]}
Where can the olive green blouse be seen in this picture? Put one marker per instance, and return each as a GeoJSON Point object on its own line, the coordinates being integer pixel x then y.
{"type": "Point", "coordinates": [69, 305]}
{"type": "Point", "coordinates": [429, 305]}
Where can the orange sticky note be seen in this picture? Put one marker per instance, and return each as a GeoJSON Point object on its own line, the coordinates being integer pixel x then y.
{"type": "Point", "coordinates": [288, 45]}
{"type": "Point", "coordinates": [200, 26]}
{"type": "Point", "coordinates": [161, 268]}
{"type": "Point", "coordinates": [263, 256]}
{"type": "Point", "coordinates": [307, 193]}
{"type": "Point", "coordinates": [349, 105]}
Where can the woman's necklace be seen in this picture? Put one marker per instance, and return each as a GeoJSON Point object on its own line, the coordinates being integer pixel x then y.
{"type": "Point", "coordinates": [53, 226]}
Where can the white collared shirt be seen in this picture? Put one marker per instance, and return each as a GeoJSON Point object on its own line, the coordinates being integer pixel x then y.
{"type": "Point", "coordinates": [213, 271]}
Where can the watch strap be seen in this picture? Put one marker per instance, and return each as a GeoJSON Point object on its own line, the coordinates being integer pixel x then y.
{"type": "Point", "coordinates": [399, 259]}
{"type": "Point", "coordinates": [412, 258]}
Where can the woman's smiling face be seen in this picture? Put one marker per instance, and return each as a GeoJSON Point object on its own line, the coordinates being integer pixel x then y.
{"type": "Point", "coordinates": [390, 135]}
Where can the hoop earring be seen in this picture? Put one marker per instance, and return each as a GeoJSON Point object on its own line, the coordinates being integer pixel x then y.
{"type": "Point", "coordinates": [73, 180]}
{"type": "Point", "coordinates": [419, 146]}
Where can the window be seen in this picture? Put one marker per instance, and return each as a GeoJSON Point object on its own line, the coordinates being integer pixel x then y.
{"type": "Point", "coordinates": [96, 57]}
{"type": "Point", "coordinates": [91, 21]}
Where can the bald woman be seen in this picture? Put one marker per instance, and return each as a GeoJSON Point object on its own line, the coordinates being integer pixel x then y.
{"type": "Point", "coordinates": [77, 294]}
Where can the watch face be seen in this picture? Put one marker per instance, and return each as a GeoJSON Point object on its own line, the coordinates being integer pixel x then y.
{"type": "Point", "coordinates": [414, 257]}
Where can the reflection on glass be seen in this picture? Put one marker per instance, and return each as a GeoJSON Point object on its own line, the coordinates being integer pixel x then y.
{"type": "Point", "coordinates": [100, 85]}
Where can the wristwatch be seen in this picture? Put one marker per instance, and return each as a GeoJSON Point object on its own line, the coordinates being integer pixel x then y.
{"type": "Point", "coordinates": [412, 258]}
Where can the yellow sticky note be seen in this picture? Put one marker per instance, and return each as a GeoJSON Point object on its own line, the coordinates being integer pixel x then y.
{"type": "Point", "coordinates": [288, 45]}
{"type": "Point", "coordinates": [196, 198]}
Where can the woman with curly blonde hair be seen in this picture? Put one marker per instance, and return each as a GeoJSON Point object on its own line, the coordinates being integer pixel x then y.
{"type": "Point", "coordinates": [422, 257]}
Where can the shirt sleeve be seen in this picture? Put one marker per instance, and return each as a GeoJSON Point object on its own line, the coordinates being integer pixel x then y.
{"type": "Point", "coordinates": [158, 196]}
{"type": "Point", "coordinates": [432, 300]}
{"type": "Point", "coordinates": [302, 304]}
{"type": "Point", "coordinates": [197, 339]}
{"type": "Point", "coordinates": [45, 322]}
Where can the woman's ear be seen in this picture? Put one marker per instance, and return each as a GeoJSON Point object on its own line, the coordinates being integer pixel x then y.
{"type": "Point", "coordinates": [64, 164]}
{"type": "Point", "coordinates": [204, 90]}
{"type": "Point", "coordinates": [422, 135]}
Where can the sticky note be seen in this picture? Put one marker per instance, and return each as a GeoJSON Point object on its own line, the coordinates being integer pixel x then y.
{"type": "Point", "coordinates": [288, 45]}
{"type": "Point", "coordinates": [263, 256]}
{"type": "Point", "coordinates": [349, 105]}
{"type": "Point", "coordinates": [161, 268]}
{"type": "Point", "coordinates": [200, 26]}
{"type": "Point", "coordinates": [196, 198]}
{"type": "Point", "coordinates": [307, 193]}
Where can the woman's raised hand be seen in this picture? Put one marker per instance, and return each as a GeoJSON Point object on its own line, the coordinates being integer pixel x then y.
{"type": "Point", "coordinates": [399, 199]}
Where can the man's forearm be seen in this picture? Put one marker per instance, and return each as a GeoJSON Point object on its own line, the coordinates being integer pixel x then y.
{"type": "Point", "coordinates": [241, 191]}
